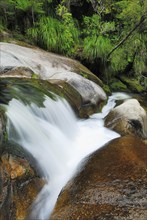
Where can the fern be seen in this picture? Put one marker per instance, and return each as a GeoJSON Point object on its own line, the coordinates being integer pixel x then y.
{"type": "Point", "coordinates": [51, 34]}
{"type": "Point", "coordinates": [96, 47]}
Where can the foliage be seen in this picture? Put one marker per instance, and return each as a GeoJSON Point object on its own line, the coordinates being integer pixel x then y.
{"type": "Point", "coordinates": [97, 43]}
{"type": "Point", "coordinates": [70, 32]}
{"type": "Point", "coordinates": [50, 34]}
{"type": "Point", "coordinates": [133, 52]}
{"type": "Point", "coordinates": [102, 37]}
{"type": "Point", "coordinates": [96, 47]}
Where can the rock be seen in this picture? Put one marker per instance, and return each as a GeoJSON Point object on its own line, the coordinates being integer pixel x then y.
{"type": "Point", "coordinates": [111, 185]}
{"type": "Point", "coordinates": [4, 35]}
{"type": "Point", "coordinates": [133, 84]}
{"type": "Point", "coordinates": [11, 71]}
{"type": "Point", "coordinates": [90, 92]}
{"type": "Point", "coordinates": [2, 126]}
{"type": "Point", "coordinates": [31, 62]}
{"type": "Point", "coordinates": [128, 118]}
{"type": "Point", "coordinates": [19, 184]}
{"type": "Point", "coordinates": [43, 63]}
{"type": "Point", "coordinates": [116, 85]}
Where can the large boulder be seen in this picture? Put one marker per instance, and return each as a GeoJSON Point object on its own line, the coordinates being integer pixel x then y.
{"type": "Point", "coordinates": [128, 118]}
{"type": "Point", "coordinates": [111, 185]}
{"type": "Point", "coordinates": [19, 183]}
{"type": "Point", "coordinates": [34, 63]}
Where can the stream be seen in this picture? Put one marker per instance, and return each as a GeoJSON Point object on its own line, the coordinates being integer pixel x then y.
{"type": "Point", "coordinates": [58, 141]}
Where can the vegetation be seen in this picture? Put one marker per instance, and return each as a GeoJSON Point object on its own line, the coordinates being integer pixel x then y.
{"type": "Point", "coordinates": [108, 36]}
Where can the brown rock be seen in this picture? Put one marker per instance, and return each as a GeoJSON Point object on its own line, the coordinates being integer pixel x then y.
{"type": "Point", "coordinates": [19, 186]}
{"type": "Point", "coordinates": [112, 185]}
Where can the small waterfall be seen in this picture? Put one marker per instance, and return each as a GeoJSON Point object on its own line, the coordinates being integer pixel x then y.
{"type": "Point", "coordinates": [58, 140]}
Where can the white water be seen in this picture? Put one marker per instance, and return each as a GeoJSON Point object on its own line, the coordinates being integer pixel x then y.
{"type": "Point", "coordinates": [58, 140]}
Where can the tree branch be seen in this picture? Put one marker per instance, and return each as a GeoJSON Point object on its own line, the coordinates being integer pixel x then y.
{"type": "Point", "coordinates": [128, 35]}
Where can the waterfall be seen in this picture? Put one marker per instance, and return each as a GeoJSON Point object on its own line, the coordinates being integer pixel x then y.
{"type": "Point", "coordinates": [58, 140]}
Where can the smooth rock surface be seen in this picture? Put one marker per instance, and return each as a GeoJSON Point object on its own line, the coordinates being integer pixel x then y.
{"type": "Point", "coordinates": [11, 71]}
{"type": "Point", "coordinates": [18, 61]}
{"type": "Point", "coordinates": [128, 118]}
{"type": "Point", "coordinates": [112, 185]}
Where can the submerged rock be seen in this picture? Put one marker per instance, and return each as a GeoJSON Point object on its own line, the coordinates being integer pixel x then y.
{"type": "Point", "coordinates": [111, 185]}
{"type": "Point", "coordinates": [128, 118]}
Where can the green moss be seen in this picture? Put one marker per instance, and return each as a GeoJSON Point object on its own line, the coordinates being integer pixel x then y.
{"type": "Point", "coordinates": [118, 86]}
{"type": "Point", "coordinates": [132, 84]}
{"type": "Point", "coordinates": [35, 76]}
{"type": "Point", "coordinates": [106, 88]}
{"type": "Point", "coordinates": [85, 75]}
{"type": "Point", "coordinates": [26, 90]}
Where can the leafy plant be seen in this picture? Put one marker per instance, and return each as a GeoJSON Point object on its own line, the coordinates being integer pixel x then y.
{"type": "Point", "coordinates": [96, 47]}
{"type": "Point", "coordinates": [97, 43]}
{"type": "Point", "coordinates": [51, 34]}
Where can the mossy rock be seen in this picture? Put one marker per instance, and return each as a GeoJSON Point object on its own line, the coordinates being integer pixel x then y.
{"type": "Point", "coordinates": [27, 90]}
{"type": "Point", "coordinates": [30, 90]}
{"type": "Point", "coordinates": [80, 69]}
{"type": "Point", "coordinates": [107, 89]}
{"type": "Point", "coordinates": [117, 85]}
{"type": "Point", "coordinates": [132, 84]}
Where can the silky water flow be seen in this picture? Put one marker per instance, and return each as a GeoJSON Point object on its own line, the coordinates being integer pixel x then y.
{"type": "Point", "coordinates": [58, 141]}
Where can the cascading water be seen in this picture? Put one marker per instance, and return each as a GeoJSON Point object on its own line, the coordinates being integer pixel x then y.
{"type": "Point", "coordinates": [58, 140]}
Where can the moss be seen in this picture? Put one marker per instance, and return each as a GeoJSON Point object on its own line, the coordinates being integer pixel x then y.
{"type": "Point", "coordinates": [34, 90]}
{"type": "Point", "coordinates": [118, 86]}
{"type": "Point", "coordinates": [35, 76]}
{"type": "Point", "coordinates": [133, 84]}
{"type": "Point", "coordinates": [77, 67]}
{"type": "Point", "coordinates": [106, 88]}
{"type": "Point", "coordinates": [26, 90]}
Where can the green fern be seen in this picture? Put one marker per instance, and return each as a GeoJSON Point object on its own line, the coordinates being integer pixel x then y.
{"type": "Point", "coordinates": [96, 47]}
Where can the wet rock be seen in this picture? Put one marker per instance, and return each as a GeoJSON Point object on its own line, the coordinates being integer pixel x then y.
{"type": "Point", "coordinates": [2, 127]}
{"type": "Point", "coordinates": [19, 185]}
{"type": "Point", "coordinates": [128, 118]}
{"type": "Point", "coordinates": [11, 71]}
{"type": "Point", "coordinates": [111, 185]}
{"type": "Point", "coordinates": [84, 102]}
{"type": "Point", "coordinates": [33, 62]}
{"type": "Point", "coordinates": [117, 85]}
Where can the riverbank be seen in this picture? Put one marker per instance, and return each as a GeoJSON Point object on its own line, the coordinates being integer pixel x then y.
{"type": "Point", "coordinates": [122, 83]}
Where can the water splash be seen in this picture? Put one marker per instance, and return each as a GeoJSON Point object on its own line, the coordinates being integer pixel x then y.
{"type": "Point", "coordinates": [58, 140]}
